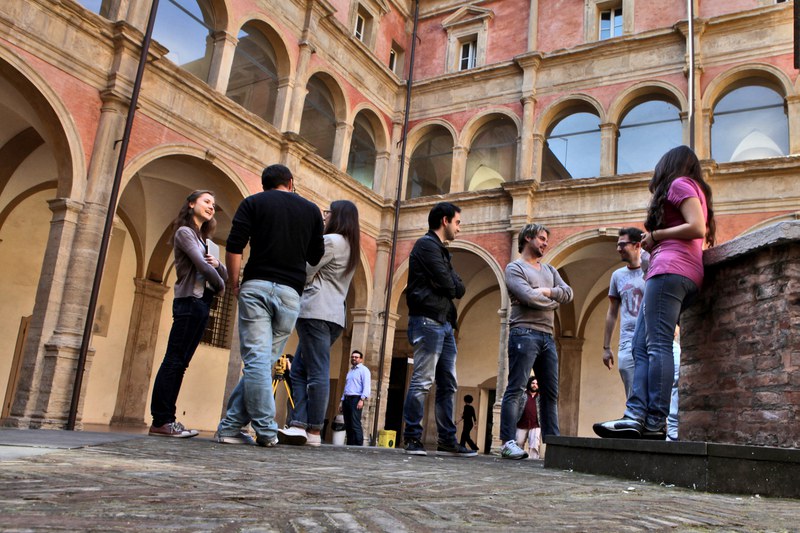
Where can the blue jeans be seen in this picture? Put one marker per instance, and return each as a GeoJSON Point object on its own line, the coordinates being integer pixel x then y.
{"type": "Point", "coordinates": [189, 319]}
{"type": "Point", "coordinates": [311, 371]}
{"type": "Point", "coordinates": [530, 349]}
{"type": "Point", "coordinates": [267, 313]}
{"type": "Point", "coordinates": [665, 297]}
{"type": "Point", "coordinates": [625, 365]}
{"type": "Point", "coordinates": [352, 420]}
{"type": "Point", "coordinates": [434, 360]}
{"type": "Point", "coordinates": [672, 418]}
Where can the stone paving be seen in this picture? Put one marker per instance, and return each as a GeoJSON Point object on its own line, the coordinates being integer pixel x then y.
{"type": "Point", "coordinates": [142, 483]}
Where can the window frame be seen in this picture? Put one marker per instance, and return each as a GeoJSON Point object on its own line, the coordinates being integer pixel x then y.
{"type": "Point", "coordinates": [466, 24]}
{"type": "Point", "coordinates": [593, 14]}
{"type": "Point", "coordinates": [470, 45]}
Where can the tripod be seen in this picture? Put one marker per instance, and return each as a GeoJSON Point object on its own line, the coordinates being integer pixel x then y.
{"type": "Point", "coordinates": [278, 377]}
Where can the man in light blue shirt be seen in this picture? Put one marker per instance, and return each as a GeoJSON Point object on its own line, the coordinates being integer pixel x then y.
{"type": "Point", "coordinates": [356, 392]}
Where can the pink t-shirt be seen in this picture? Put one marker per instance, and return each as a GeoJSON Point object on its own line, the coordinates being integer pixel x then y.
{"type": "Point", "coordinates": [678, 256]}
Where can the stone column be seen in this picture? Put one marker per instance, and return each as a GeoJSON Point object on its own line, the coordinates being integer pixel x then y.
{"type": "Point", "coordinates": [793, 111]}
{"type": "Point", "coordinates": [502, 377]}
{"type": "Point", "coordinates": [533, 26]}
{"type": "Point", "coordinates": [341, 145]}
{"type": "Point", "coordinates": [608, 149]}
{"type": "Point", "coordinates": [283, 102]}
{"type": "Point", "coordinates": [570, 352]}
{"type": "Point", "coordinates": [299, 92]}
{"type": "Point", "coordinates": [389, 187]}
{"type": "Point", "coordinates": [47, 304]}
{"type": "Point", "coordinates": [381, 170]}
{"type": "Point", "coordinates": [137, 363]}
{"type": "Point", "coordinates": [219, 71]}
{"type": "Point", "coordinates": [525, 159]}
{"type": "Point", "coordinates": [459, 169]}
{"type": "Point", "coordinates": [538, 156]}
{"type": "Point", "coordinates": [45, 391]}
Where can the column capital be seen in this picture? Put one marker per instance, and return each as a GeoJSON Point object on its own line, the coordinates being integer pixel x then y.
{"type": "Point", "coordinates": [149, 288]}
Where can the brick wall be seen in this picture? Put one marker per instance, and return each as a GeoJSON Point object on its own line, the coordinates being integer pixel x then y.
{"type": "Point", "coordinates": [740, 366]}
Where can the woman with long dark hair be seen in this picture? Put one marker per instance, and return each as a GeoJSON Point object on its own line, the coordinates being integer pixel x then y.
{"type": "Point", "coordinates": [680, 219]}
{"type": "Point", "coordinates": [200, 277]}
{"type": "Point", "coordinates": [320, 323]}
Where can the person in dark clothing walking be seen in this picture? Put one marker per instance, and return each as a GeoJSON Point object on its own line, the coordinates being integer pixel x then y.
{"type": "Point", "coordinates": [470, 419]}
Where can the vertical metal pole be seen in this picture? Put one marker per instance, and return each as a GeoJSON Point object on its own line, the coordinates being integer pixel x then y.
{"type": "Point", "coordinates": [690, 14]}
{"type": "Point", "coordinates": [796, 35]}
{"type": "Point", "coordinates": [112, 208]}
{"type": "Point", "coordinates": [382, 351]}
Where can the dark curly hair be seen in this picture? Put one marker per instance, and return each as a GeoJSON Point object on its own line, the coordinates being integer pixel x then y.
{"type": "Point", "coordinates": [679, 162]}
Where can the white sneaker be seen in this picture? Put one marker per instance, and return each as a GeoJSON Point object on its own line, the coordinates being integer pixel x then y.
{"type": "Point", "coordinates": [511, 450]}
{"type": "Point", "coordinates": [293, 436]}
{"type": "Point", "coordinates": [313, 440]}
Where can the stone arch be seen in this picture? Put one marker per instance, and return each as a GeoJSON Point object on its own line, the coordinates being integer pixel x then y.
{"type": "Point", "coordinates": [155, 267]}
{"type": "Point", "coordinates": [286, 63]}
{"type": "Point", "coordinates": [563, 107]}
{"type": "Point", "coordinates": [54, 122]}
{"type": "Point", "coordinates": [790, 217]}
{"type": "Point", "coordinates": [340, 99]}
{"type": "Point", "coordinates": [382, 134]}
{"type": "Point", "coordinates": [17, 200]}
{"type": "Point", "coordinates": [774, 76]}
{"type": "Point", "coordinates": [474, 124]}
{"type": "Point", "coordinates": [420, 130]}
{"type": "Point", "coordinates": [639, 92]}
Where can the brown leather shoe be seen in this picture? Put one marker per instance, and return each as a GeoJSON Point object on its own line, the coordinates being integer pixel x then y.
{"type": "Point", "coordinates": [172, 429]}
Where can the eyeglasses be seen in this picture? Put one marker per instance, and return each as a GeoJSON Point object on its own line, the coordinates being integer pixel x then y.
{"type": "Point", "coordinates": [621, 245]}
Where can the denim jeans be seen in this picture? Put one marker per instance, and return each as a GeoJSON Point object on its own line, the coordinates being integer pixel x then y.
{"type": "Point", "coordinates": [189, 318]}
{"type": "Point", "coordinates": [267, 314]}
{"type": "Point", "coordinates": [625, 364]}
{"type": "Point", "coordinates": [311, 371]}
{"type": "Point", "coordinates": [434, 360]}
{"type": "Point", "coordinates": [672, 418]}
{"type": "Point", "coordinates": [352, 421]}
{"type": "Point", "coordinates": [665, 297]}
{"type": "Point", "coordinates": [530, 349]}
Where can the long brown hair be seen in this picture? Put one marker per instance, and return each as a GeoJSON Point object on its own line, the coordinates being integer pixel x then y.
{"type": "Point", "coordinates": [681, 161]}
{"type": "Point", "coordinates": [344, 221]}
{"type": "Point", "coordinates": [186, 217]}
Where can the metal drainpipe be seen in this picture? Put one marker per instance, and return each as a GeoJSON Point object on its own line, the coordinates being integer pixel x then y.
{"type": "Point", "coordinates": [690, 14]}
{"type": "Point", "coordinates": [112, 208]}
{"type": "Point", "coordinates": [382, 352]}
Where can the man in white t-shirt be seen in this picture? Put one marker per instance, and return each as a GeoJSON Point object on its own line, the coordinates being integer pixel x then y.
{"type": "Point", "coordinates": [625, 295]}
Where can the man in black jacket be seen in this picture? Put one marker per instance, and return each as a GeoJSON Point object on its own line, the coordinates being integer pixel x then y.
{"type": "Point", "coordinates": [432, 286]}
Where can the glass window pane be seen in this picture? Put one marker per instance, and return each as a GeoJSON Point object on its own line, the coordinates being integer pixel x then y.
{"type": "Point", "coordinates": [361, 161]}
{"type": "Point", "coordinates": [191, 46]}
{"type": "Point", "coordinates": [749, 123]}
{"type": "Point", "coordinates": [492, 158]}
{"type": "Point", "coordinates": [575, 144]}
{"type": "Point", "coordinates": [254, 73]}
{"type": "Point", "coordinates": [646, 133]}
{"type": "Point", "coordinates": [318, 123]}
{"type": "Point", "coordinates": [430, 165]}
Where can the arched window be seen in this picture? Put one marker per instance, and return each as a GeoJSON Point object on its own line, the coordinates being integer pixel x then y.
{"type": "Point", "coordinates": [361, 161]}
{"type": "Point", "coordinates": [493, 155]}
{"type": "Point", "coordinates": [186, 27]}
{"type": "Point", "coordinates": [646, 132]}
{"type": "Point", "coordinates": [318, 124]}
{"type": "Point", "coordinates": [572, 149]}
{"type": "Point", "coordinates": [749, 122]}
{"type": "Point", "coordinates": [431, 164]}
{"type": "Point", "coordinates": [254, 74]}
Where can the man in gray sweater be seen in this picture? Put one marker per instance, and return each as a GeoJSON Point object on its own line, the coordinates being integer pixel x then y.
{"type": "Point", "coordinates": [536, 289]}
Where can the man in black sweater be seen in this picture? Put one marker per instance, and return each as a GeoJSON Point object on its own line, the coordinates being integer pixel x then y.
{"type": "Point", "coordinates": [285, 232]}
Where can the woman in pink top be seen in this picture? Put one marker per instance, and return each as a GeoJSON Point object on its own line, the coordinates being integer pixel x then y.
{"type": "Point", "coordinates": [680, 219]}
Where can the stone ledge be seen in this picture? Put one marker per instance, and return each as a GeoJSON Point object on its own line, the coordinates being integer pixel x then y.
{"type": "Point", "coordinates": [696, 465]}
{"type": "Point", "coordinates": [777, 234]}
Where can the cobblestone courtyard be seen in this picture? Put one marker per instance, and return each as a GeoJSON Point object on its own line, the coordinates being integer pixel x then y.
{"type": "Point", "coordinates": [140, 484]}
